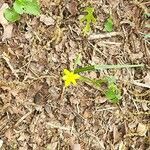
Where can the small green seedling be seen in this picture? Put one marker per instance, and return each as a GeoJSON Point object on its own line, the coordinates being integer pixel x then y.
{"type": "Point", "coordinates": [88, 19]}
{"type": "Point", "coordinates": [31, 7]}
{"type": "Point", "coordinates": [109, 25]}
{"type": "Point", "coordinates": [111, 91]}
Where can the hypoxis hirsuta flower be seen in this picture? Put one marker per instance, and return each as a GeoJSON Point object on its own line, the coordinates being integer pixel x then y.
{"type": "Point", "coordinates": [70, 77]}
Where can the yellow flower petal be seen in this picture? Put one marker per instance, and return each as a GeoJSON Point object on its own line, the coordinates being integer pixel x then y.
{"type": "Point", "coordinates": [67, 83]}
{"type": "Point", "coordinates": [74, 82]}
{"type": "Point", "coordinates": [64, 77]}
{"type": "Point", "coordinates": [76, 76]}
{"type": "Point", "coordinates": [70, 77]}
{"type": "Point", "coordinates": [66, 71]}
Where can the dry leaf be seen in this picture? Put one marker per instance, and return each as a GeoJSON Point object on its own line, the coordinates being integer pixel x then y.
{"type": "Point", "coordinates": [100, 100]}
{"type": "Point", "coordinates": [147, 78]}
{"type": "Point", "coordinates": [3, 21]}
{"type": "Point", "coordinates": [73, 7]}
{"type": "Point", "coordinates": [134, 56]}
{"type": "Point", "coordinates": [1, 143]}
{"type": "Point", "coordinates": [52, 146]}
{"type": "Point", "coordinates": [9, 135]}
{"type": "Point", "coordinates": [122, 146]}
{"type": "Point", "coordinates": [47, 20]}
{"type": "Point", "coordinates": [142, 129]}
{"type": "Point", "coordinates": [116, 134]}
{"type": "Point", "coordinates": [114, 3]}
{"type": "Point", "coordinates": [22, 137]}
{"type": "Point", "coordinates": [7, 32]}
{"type": "Point", "coordinates": [76, 147]}
{"type": "Point", "coordinates": [6, 26]}
{"type": "Point", "coordinates": [145, 107]}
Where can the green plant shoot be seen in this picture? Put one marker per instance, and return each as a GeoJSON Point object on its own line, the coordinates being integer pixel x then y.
{"type": "Point", "coordinates": [88, 19]}
{"type": "Point", "coordinates": [112, 92]}
{"type": "Point", "coordinates": [22, 6]}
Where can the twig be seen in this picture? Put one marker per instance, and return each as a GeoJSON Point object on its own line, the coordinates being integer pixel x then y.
{"type": "Point", "coordinates": [104, 35]}
{"type": "Point", "coordinates": [141, 84]}
{"type": "Point", "coordinates": [107, 109]}
{"type": "Point", "coordinates": [59, 127]}
{"type": "Point", "coordinates": [22, 118]}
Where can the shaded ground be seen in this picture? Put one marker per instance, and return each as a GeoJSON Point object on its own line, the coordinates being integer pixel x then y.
{"type": "Point", "coordinates": [37, 113]}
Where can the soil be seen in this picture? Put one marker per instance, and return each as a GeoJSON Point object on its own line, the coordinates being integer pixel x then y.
{"type": "Point", "coordinates": [38, 113]}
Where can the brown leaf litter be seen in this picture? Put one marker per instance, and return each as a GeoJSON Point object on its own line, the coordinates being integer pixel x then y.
{"type": "Point", "coordinates": [37, 112]}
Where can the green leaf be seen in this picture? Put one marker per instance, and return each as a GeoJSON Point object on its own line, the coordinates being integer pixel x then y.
{"type": "Point", "coordinates": [113, 94]}
{"type": "Point", "coordinates": [88, 19]}
{"type": "Point", "coordinates": [147, 14]}
{"type": "Point", "coordinates": [11, 15]}
{"type": "Point", "coordinates": [101, 67]}
{"type": "Point", "coordinates": [147, 36]}
{"type": "Point", "coordinates": [110, 80]}
{"type": "Point", "coordinates": [108, 26]}
{"type": "Point", "coordinates": [32, 8]}
{"type": "Point", "coordinates": [18, 7]}
{"type": "Point", "coordinates": [87, 29]}
{"type": "Point", "coordinates": [24, 1]}
{"type": "Point", "coordinates": [77, 60]}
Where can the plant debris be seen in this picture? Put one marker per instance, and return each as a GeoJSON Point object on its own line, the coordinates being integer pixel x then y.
{"type": "Point", "coordinates": [38, 112]}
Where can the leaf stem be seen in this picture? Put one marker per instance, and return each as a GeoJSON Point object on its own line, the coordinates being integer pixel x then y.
{"type": "Point", "coordinates": [101, 67]}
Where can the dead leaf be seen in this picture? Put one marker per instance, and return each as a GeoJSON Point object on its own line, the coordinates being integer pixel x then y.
{"type": "Point", "coordinates": [52, 146]}
{"type": "Point", "coordinates": [122, 146]}
{"type": "Point", "coordinates": [100, 100]}
{"type": "Point", "coordinates": [9, 135]}
{"type": "Point", "coordinates": [49, 21]}
{"type": "Point", "coordinates": [1, 143]}
{"type": "Point", "coordinates": [116, 134]}
{"type": "Point", "coordinates": [6, 26]}
{"type": "Point", "coordinates": [142, 129]}
{"type": "Point", "coordinates": [22, 137]}
{"type": "Point", "coordinates": [73, 7]}
{"type": "Point", "coordinates": [114, 3]}
{"type": "Point", "coordinates": [76, 147]}
{"type": "Point", "coordinates": [3, 21]}
{"type": "Point", "coordinates": [147, 78]}
{"type": "Point", "coordinates": [145, 107]}
{"type": "Point", "coordinates": [7, 32]}
{"type": "Point", "coordinates": [136, 56]}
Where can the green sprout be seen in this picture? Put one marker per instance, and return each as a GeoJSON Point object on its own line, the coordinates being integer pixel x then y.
{"type": "Point", "coordinates": [113, 93]}
{"type": "Point", "coordinates": [111, 90]}
{"type": "Point", "coordinates": [88, 18]}
{"type": "Point", "coordinates": [22, 6]}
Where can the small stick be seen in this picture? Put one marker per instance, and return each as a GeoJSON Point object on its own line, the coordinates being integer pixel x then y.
{"type": "Point", "coordinates": [141, 84]}
{"type": "Point", "coordinates": [104, 35]}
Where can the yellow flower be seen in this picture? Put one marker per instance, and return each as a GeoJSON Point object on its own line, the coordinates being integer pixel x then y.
{"type": "Point", "coordinates": [70, 77]}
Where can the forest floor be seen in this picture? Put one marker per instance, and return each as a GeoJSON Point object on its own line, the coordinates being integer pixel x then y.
{"type": "Point", "coordinates": [38, 113]}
